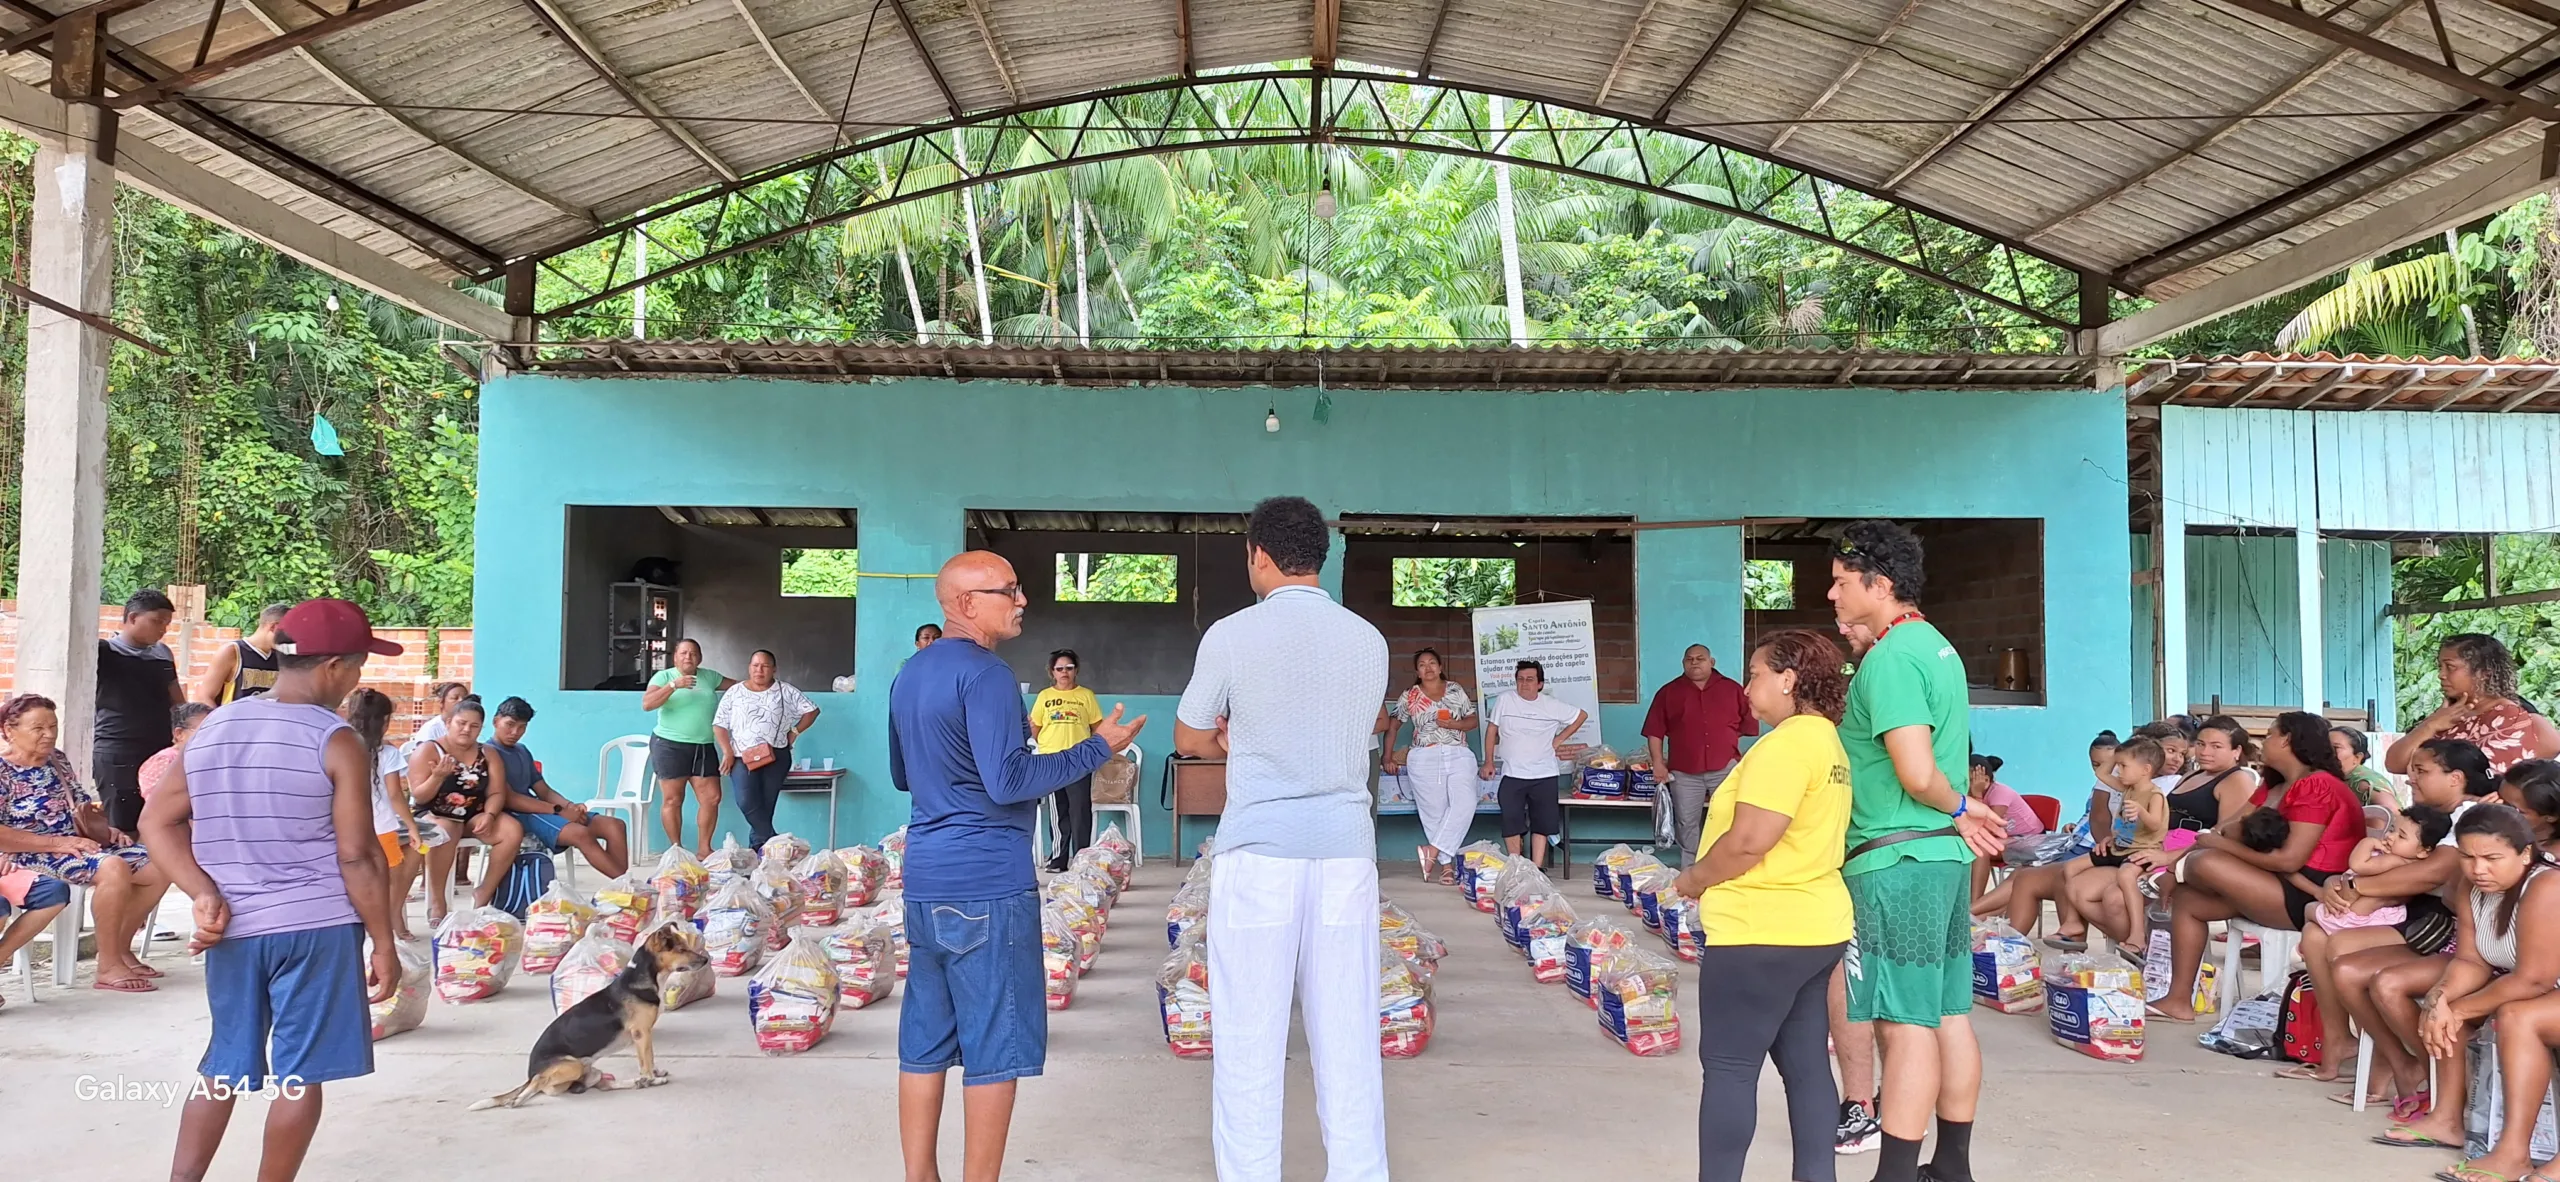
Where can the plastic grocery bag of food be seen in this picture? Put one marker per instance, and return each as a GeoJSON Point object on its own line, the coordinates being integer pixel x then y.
{"type": "Point", "coordinates": [2006, 974]}
{"type": "Point", "coordinates": [551, 925]}
{"type": "Point", "coordinates": [1590, 941]}
{"type": "Point", "coordinates": [1524, 889]}
{"type": "Point", "coordinates": [786, 848]}
{"type": "Point", "coordinates": [1639, 995]}
{"type": "Point", "coordinates": [407, 1005]}
{"type": "Point", "coordinates": [1683, 926]}
{"type": "Point", "coordinates": [1604, 869]}
{"type": "Point", "coordinates": [2094, 1005]}
{"type": "Point", "coordinates": [1479, 863]}
{"type": "Point", "coordinates": [476, 952]}
{"type": "Point", "coordinates": [735, 920]}
{"type": "Point", "coordinates": [730, 861]}
{"type": "Point", "coordinates": [1058, 957]}
{"type": "Point", "coordinates": [592, 963]}
{"type": "Point", "coordinates": [821, 876]}
{"type": "Point", "coordinates": [1645, 887]}
{"type": "Point", "coordinates": [894, 849]}
{"type": "Point", "coordinates": [1399, 928]}
{"type": "Point", "coordinates": [1125, 852]}
{"type": "Point", "coordinates": [1602, 774]}
{"type": "Point", "coordinates": [626, 907]}
{"type": "Point", "coordinates": [1097, 862]}
{"type": "Point", "coordinates": [1544, 931]}
{"type": "Point", "coordinates": [1082, 922]}
{"type": "Point", "coordinates": [791, 1001]}
{"type": "Point", "coordinates": [891, 913]}
{"type": "Point", "coordinates": [866, 964]}
{"type": "Point", "coordinates": [1624, 890]}
{"type": "Point", "coordinates": [679, 882]}
{"type": "Point", "coordinates": [1182, 996]}
{"type": "Point", "coordinates": [774, 884]}
{"type": "Point", "coordinates": [1404, 1005]}
{"type": "Point", "coordinates": [864, 872]}
{"type": "Point", "coordinates": [679, 990]}
{"type": "Point", "coordinates": [1189, 910]}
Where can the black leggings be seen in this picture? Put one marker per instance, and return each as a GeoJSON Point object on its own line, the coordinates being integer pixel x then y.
{"type": "Point", "coordinates": [1075, 821]}
{"type": "Point", "coordinates": [1756, 1002]}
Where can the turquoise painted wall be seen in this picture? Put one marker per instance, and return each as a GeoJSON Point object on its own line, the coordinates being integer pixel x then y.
{"type": "Point", "coordinates": [2244, 632]}
{"type": "Point", "coordinates": [912, 456]}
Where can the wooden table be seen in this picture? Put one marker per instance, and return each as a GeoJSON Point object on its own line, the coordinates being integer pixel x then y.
{"type": "Point", "coordinates": [1192, 788]}
{"type": "Point", "coordinates": [1564, 812]}
{"type": "Point", "coordinates": [818, 779]}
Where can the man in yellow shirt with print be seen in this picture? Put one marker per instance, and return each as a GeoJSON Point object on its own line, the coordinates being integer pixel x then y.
{"type": "Point", "coordinates": [1061, 717]}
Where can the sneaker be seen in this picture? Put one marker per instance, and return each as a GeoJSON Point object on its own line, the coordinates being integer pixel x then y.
{"type": "Point", "coordinates": [1859, 1132]}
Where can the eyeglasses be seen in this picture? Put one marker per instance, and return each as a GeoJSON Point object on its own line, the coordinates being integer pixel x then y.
{"type": "Point", "coordinates": [1011, 591]}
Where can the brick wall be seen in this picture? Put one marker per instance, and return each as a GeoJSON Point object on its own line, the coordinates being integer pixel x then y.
{"type": "Point", "coordinates": [1985, 590]}
{"type": "Point", "coordinates": [1562, 569]}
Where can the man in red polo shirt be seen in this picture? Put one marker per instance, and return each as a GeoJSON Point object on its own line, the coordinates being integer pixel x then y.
{"type": "Point", "coordinates": [1700, 716]}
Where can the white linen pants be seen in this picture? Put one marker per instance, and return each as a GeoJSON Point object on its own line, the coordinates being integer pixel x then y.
{"type": "Point", "coordinates": [1444, 794]}
{"type": "Point", "coordinates": [1308, 927]}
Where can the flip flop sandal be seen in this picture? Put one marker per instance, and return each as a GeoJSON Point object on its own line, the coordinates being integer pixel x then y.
{"type": "Point", "coordinates": [2066, 944]}
{"type": "Point", "coordinates": [2154, 1011]}
{"type": "Point", "coordinates": [145, 970]}
{"type": "Point", "coordinates": [2303, 1071]}
{"type": "Point", "coordinates": [1448, 877]}
{"type": "Point", "coordinates": [2414, 1140]}
{"type": "Point", "coordinates": [2467, 1172]}
{"type": "Point", "coordinates": [128, 985]}
{"type": "Point", "coordinates": [2412, 1106]}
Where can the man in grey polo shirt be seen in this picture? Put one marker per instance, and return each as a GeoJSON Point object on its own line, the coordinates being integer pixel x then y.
{"type": "Point", "coordinates": [1287, 691]}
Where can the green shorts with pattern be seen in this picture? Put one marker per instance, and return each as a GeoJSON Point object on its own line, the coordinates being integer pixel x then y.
{"type": "Point", "coordinates": [1912, 961]}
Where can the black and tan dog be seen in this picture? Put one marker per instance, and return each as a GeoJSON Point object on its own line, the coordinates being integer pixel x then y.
{"type": "Point", "coordinates": [621, 1014]}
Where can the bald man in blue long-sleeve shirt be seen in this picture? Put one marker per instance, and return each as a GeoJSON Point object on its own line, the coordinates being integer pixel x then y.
{"type": "Point", "coordinates": [974, 981]}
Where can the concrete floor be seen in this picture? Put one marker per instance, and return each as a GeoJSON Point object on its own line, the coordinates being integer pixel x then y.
{"type": "Point", "coordinates": [1518, 1075]}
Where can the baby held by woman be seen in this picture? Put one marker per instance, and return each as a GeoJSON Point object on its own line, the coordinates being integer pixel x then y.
{"type": "Point", "coordinates": [2412, 834]}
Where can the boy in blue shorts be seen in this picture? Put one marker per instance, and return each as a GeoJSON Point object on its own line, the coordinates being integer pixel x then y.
{"type": "Point", "coordinates": [547, 816]}
{"type": "Point", "coordinates": [37, 898]}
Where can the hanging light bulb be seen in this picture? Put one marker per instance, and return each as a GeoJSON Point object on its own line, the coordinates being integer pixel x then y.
{"type": "Point", "coordinates": [1271, 421]}
{"type": "Point", "coordinates": [1324, 203]}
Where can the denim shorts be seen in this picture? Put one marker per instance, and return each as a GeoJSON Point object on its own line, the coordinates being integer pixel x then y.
{"type": "Point", "coordinates": [976, 991]}
{"type": "Point", "coordinates": [32, 891]}
{"type": "Point", "coordinates": [288, 1007]}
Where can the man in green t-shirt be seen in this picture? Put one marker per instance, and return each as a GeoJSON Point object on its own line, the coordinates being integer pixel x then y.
{"type": "Point", "coordinates": [1912, 841]}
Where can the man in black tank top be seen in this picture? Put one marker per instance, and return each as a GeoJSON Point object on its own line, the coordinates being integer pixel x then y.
{"type": "Point", "coordinates": [246, 667]}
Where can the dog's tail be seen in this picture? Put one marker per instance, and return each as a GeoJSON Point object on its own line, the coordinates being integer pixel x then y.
{"type": "Point", "coordinates": [505, 1099]}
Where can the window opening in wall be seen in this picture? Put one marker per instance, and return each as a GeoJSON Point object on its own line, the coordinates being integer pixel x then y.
{"type": "Point", "coordinates": [1769, 585]}
{"type": "Point", "coordinates": [1118, 578]}
{"type": "Point", "coordinates": [1985, 589]}
{"type": "Point", "coordinates": [1455, 582]}
{"type": "Point", "coordinates": [827, 574]}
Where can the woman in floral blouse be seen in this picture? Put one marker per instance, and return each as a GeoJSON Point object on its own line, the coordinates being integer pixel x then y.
{"type": "Point", "coordinates": [54, 825]}
{"type": "Point", "coordinates": [1438, 763]}
{"type": "Point", "coordinates": [2481, 707]}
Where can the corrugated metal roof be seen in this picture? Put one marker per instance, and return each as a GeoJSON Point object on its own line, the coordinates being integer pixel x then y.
{"type": "Point", "coordinates": [511, 141]}
{"type": "Point", "coordinates": [2326, 381]}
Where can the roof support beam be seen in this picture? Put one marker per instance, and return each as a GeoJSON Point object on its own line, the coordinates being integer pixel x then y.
{"type": "Point", "coordinates": [261, 51]}
{"type": "Point", "coordinates": [1328, 33]}
{"type": "Point", "coordinates": [995, 49]}
{"type": "Point", "coordinates": [1628, 46]}
{"type": "Point", "coordinates": [2381, 50]}
{"type": "Point", "coordinates": [2320, 389]}
{"type": "Point", "coordinates": [2521, 397]}
{"type": "Point", "coordinates": [2466, 389]}
{"type": "Point", "coordinates": [1997, 103]}
{"type": "Point", "coordinates": [1732, 20]}
{"type": "Point", "coordinates": [2478, 192]}
{"type": "Point", "coordinates": [550, 14]}
{"type": "Point", "coordinates": [1431, 44]}
{"type": "Point", "coordinates": [1182, 34]}
{"type": "Point", "coordinates": [755, 28]}
{"type": "Point", "coordinates": [1865, 55]}
{"type": "Point", "coordinates": [915, 37]}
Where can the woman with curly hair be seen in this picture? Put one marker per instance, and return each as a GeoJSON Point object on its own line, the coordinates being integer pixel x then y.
{"type": "Point", "coordinates": [2481, 707]}
{"type": "Point", "coordinates": [1775, 909]}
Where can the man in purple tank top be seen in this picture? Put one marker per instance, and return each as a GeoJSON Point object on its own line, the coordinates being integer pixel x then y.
{"type": "Point", "coordinates": [267, 823]}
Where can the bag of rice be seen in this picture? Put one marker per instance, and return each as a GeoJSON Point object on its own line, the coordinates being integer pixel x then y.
{"type": "Point", "coordinates": [679, 990]}
{"type": "Point", "coordinates": [821, 877]}
{"type": "Point", "coordinates": [551, 925]}
{"type": "Point", "coordinates": [625, 907]}
{"type": "Point", "coordinates": [1640, 1001]}
{"type": "Point", "coordinates": [1058, 957]}
{"type": "Point", "coordinates": [1604, 869]}
{"type": "Point", "coordinates": [785, 848]}
{"type": "Point", "coordinates": [476, 952]}
{"type": "Point", "coordinates": [592, 963]}
{"type": "Point", "coordinates": [894, 849]}
{"type": "Point", "coordinates": [780, 891]}
{"type": "Point", "coordinates": [864, 871]}
{"type": "Point", "coordinates": [1590, 941]}
{"type": "Point", "coordinates": [734, 922]}
{"type": "Point", "coordinates": [791, 1001]}
{"type": "Point", "coordinates": [1543, 931]}
{"type": "Point", "coordinates": [866, 965]}
{"type": "Point", "coordinates": [407, 1005]}
{"type": "Point", "coordinates": [730, 861]}
{"type": "Point", "coordinates": [679, 882]}
{"type": "Point", "coordinates": [1404, 1006]}
{"type": "Point", "coordinates": [1182, 998]}
{"type": "Point", "coordinates": [892, 914]}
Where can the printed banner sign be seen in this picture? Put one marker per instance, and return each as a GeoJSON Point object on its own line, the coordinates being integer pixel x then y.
{"type": "Point", "coordinates": [1559, 637]}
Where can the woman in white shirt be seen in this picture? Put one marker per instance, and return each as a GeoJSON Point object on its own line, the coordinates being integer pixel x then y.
{"type": "Point", "coordinates": [755, 725]}
{"type": "Point", "coordinates": [1524, 734]}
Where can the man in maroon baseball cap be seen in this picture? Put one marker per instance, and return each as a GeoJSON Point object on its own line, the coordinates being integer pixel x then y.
{"type": "Point", "coordinates": [268, 823]}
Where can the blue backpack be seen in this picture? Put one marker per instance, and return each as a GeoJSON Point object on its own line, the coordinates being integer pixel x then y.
{"type": "Point", "coordinates": [527, 879]}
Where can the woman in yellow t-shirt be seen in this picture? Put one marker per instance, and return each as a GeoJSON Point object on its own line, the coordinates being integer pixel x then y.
{"type": "Point", "coordinates": [1061, 717]}
{"type": "Point", "coordinates": [1775, 911]}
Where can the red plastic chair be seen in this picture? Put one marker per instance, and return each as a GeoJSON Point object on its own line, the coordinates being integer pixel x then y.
{"type": "Point", "coordinates": [2047, 809]}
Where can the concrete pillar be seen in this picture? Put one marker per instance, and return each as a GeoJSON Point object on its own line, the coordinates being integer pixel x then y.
{"type": "Point", "coordinates": [63, 500]}
{"type": "Point", "coordinates": [2306, 569]}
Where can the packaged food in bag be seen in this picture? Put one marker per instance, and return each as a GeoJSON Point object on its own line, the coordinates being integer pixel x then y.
{"type": "Point", "coordinates": [774, 884]}
{"type": "Point", "coordinates": [679, 882]}
{"type": "Point", "coordinates": [892, 914]}
{"type": "Point", "coordinates": [1639, 995]}
{"type": "Point", "coordinates": [678, 990]}
{"type": "Point", "coordinates": [2094, 1005]}
{"type": "Point", "coordinates": [1647, 885]}
{"type": "Point", "coordinates": [1604, 869]}
{"type": "Point", "coordinates": [1097, 862]}
{"type": "Point", "coordinates": [730, 861]}
{"type": "Point", "coordinates": [1544, 931]}
{"type": "Point", "coordinates": [1190, 908]}
{"type": "Point", "coordinates": [625, 906]}
{"type": "Point", "coordinates": [551, 925]}
{"type": "Point", "coordinates": [407, 1005]}
{"type": "Point", "coordinates": [1683, 926]}
{"type": "Point", "coordinates": [1058, 957]}
{"type": "Point", "coordinates": [1124, 851]}
{"type": "Point", "coordinates": [1624, 890]}
{"type": "Point", "coordinates": [1406, 935]}
{"type": "Point", "coordinates": [821, 877]}
{"type": "Point", "coordinates": [1404, 1005]}
{"type": "Point", "coordinates": [592, 963]}
{"type": "Point", "coordinates": [893, 848]}
{"type": "Point", "coordinates": [1602, 774]}
{"type": "Point", "coordinates": [1479, 865]}
{"type": "Point", "coordinates": [1182, 998]}
{"type": "Point", "coordinates": [791, 1001]}
{"type": "Point", "coordinates": [1083, 924]}
{"type": "Point", "coordinates": [785, 848]}
{"type": "Point", "coordinates": [866, 963]}
{"type": "Point", "coordinates": [1519, 884]}
{"type": "Point", "coordinates": [864, 871]}
{"type": "Point", "coordinates": [735, 922]}
{"type": "Point", "coordinates": [1590, 941]}
{"type": "Point", "coordinates": [476, 953]}
{"type": "Point", "coordinates": [2006, 974]}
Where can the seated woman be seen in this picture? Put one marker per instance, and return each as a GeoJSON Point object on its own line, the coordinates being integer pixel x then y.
{"type": "Point", "coordinates": [51, 824]}
{"type": "Point", "coordinates": [2021, 899]}
{"type": "Point", "coordinates": [2227, 880]}
{"type": "Point", "coordinates": [183, 721]}
{"type": "Point", "coordinates": [2026, 829]}
{"type": "Point", "coordinates": [2527, 1033]}
{"type": "Point", "coordinates": [2355, 753]}
{"type": "Point", "coordinates": [2481, 707]}
{"type": "Point", "coordinates": [2446, 774]}
{"type": "Point", "coordinates": [458, 783]}
{"type": "Point", "coordinates": [2506, 952]}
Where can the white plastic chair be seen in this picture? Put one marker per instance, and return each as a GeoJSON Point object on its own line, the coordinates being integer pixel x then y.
{"type": "Point", "coordinates": [626, 791]}
{"type": "Point", "coordinates": [2275, 957]}
{"type": "Point", "coordinates": [1130, 809]}
{"type": "Point", "coordinates": [75, 920]}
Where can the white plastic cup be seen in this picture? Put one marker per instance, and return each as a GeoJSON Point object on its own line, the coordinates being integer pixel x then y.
{"type": "Point", "coordinates": [829, 763]}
